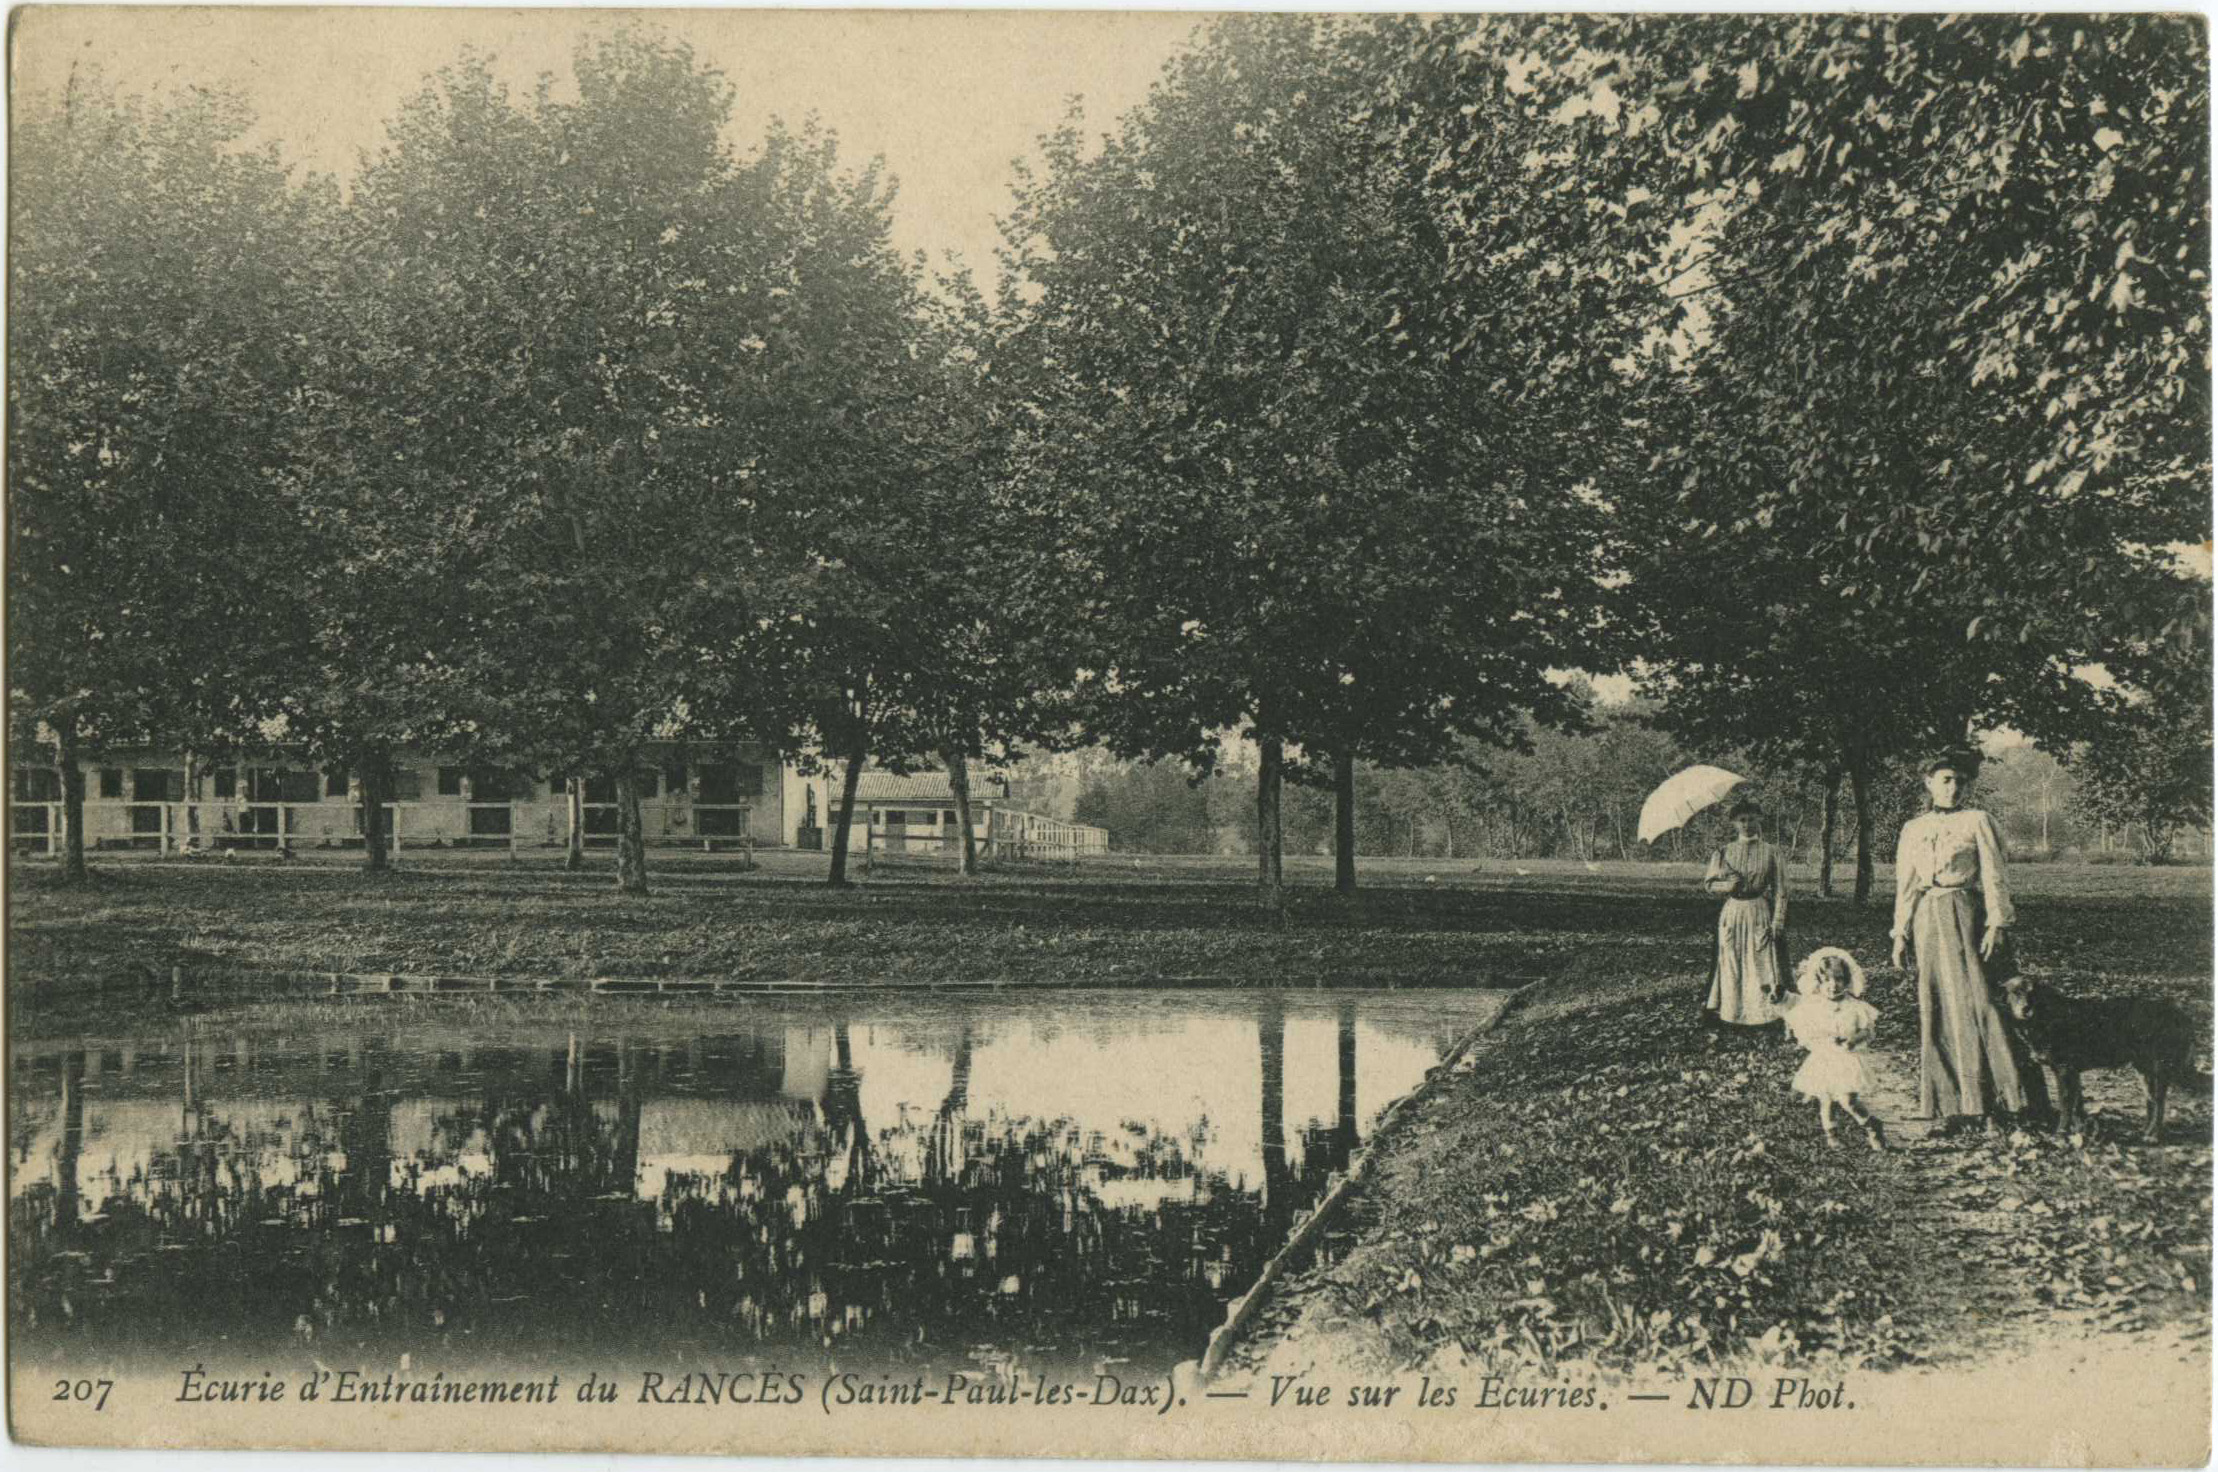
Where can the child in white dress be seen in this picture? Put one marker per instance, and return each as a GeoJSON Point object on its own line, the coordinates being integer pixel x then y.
{"type": "Point", "coordinates": [1834, 1022]}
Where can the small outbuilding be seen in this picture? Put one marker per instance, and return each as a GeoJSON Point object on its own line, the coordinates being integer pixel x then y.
{"type": "Point", "coordinates": [916, 814]}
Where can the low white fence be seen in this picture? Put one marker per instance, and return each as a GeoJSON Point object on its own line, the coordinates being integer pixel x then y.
{"type": "Point", "coordinates": [176, 827]}
{"type": "Point", "coordinates": [1008, 836]}
{"type": "Point", "coordinates": [1044, 840]}
{"type": "Point", "coordinates": [713, 825]}
{"type": "Point", "coordinates": [932, 845]}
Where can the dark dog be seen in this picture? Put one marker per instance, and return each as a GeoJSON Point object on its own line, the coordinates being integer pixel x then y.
{"type": "Point", "coordinates": [2068, 1035]}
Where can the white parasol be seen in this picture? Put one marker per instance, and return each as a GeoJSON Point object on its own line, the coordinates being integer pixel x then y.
{"type": "Point", "coordinates": [1681, 797]}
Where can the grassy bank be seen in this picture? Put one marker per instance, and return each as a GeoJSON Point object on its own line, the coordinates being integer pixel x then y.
{"type": "Point", "coordinates": [1118, 922]}
{"type": "Point", "coordinates": [1608, 1187]}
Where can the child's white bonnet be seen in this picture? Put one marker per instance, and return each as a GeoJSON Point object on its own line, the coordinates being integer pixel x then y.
{"type": "Point", "coordinates": [1806, 975]}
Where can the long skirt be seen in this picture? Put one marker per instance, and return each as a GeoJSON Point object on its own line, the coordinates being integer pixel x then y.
{"type": "Point", "coordinates": [1965, 1065]}
{"type": "Point", "coordinates": [1748, 973]}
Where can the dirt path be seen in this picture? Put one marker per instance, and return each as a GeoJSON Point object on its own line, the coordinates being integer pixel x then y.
{"type": "Point", "coordinates": [1948, 1203]}
{"type": "Point", "coordinates": [1999, 1205]}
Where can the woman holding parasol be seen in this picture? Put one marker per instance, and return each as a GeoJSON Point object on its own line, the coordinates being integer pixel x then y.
{"type": "Point", "coordinates": [1749, 971]}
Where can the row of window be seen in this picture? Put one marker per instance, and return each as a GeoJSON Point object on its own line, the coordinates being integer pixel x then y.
{"type": "Point", "coordinates": [722, 783]}
{"type": "Point", "coordinates": [916, 817]}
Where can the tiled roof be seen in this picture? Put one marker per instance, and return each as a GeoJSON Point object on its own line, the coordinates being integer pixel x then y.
{"type": "Point", "coordinates": [921, 787]}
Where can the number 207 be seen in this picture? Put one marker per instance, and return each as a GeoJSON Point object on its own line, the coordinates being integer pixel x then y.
{"type": "Point", "coordinates": [95, 1391]}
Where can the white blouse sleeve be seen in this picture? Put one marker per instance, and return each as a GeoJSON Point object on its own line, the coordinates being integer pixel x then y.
{"type": "Point", "coordinates": [1994, 889]}
{"type": "Point", "coordinates": [1906, 882]}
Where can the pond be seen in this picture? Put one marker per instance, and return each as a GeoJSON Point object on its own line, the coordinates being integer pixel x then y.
{"type": "Point", "coordinates": [1047, 1182]}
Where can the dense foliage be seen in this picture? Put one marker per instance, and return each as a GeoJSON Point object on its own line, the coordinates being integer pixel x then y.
{"type": "Point", "coordinates": [1944, 406]}
{"type": "Point", "coordinates": [1845, 379]}
{"type": "Point", "coordinates": [153, 278]}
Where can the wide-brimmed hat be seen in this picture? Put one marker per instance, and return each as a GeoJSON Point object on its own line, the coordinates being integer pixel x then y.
{"type": "Point", "coordinates": [1745, 808]}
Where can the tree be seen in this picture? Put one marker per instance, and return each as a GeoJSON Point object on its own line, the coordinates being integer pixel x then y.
{"type": "Point", "coordinates": [1785, 670]}
{"type": "Point", "coordinates": [1308, 429]}
{"type": "Point", "coordinates": [2154, 766]}
{"type": "Point", "coordinates": [1150, 807]}
{"type": "Point", "coordinates": [372, 673]}
{"type": "Point", "coordinates": [1306, 818]}
{"type": "Point", "coordinates": [1946, 312]}
{"type": "Point", "coordinates": [2033, 796]}
{"type": "Point", "coordinates": [153, 268]}
{"type": "Point", "coordinates": [633, 441]}
{"type": "Point", "coordinates": [926, 638]}
{"type": "Point", "coordinates": [1398, 799]}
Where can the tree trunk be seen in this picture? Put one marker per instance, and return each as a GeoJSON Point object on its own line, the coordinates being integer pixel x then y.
{"type": "Point", "coordinates": [1344, 1133]}
{"type": "Point", "coordinates": [958, 781]}
{"type": "Point", "coordinates": [623, 1168]}
{"type": "Point", "coordinates": [190, 813]}
{"type": "Point", "coordinates": [843, 1109]}
{"type": "Point", "coordinates": [376, 771]}
{"type": "Point", "coordinates": [367, 1138]}
{"type": "Point", "coordinates": [73, 809]}
{"type": "Point", "coordinates": [1448, 821]}
{"type": "Point", "coordinates": [944, 1156]}
{"type": "Point", "coordinates": [1859, 783]}
{"type": "Point", "coordinates": [573, 858]}
{"type": "Point", "coordinates": [848, 786]}
{"type": "Point", "coordinates": [2156, 835]}
{"type": "Point", "coordinates": [1278, 1204]}
{"type": "Point", "coordinates": [631, 834]}
{"type": "Point", "coordinates": [67, 1200]}
{"type": "Point", "coordinates": [1825, 838]}
{"type": "Point", "coordinates": [1270, 829]}
{"type": "Point", "coordinates": [1343, 823]}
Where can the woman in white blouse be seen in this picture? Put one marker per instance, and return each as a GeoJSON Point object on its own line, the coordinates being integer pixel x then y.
{"type": "Point", "coordinates": [1952, 908]}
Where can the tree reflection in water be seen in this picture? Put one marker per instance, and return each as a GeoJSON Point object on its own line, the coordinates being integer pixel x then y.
{"type": "Point", "coordinates": [364, 1194]}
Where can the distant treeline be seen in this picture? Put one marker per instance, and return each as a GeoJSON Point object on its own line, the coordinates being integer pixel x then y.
{"type": "Point", "coordinates": [1578, 796]}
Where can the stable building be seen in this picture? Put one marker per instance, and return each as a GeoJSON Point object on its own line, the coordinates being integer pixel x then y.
{"type": "Point", "coordinates": [711, 794]}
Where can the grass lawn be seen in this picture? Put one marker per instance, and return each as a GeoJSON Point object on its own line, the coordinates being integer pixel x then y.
{"type": "Point", "coordinates": [1158, 921]}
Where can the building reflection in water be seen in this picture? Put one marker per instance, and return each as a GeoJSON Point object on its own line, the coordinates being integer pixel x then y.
{"type": "Point", "coordinates": [1061, 1184]}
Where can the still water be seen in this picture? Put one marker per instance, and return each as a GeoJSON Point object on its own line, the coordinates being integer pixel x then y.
{"type": "Point", "coordinates": [1067, 1181]}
